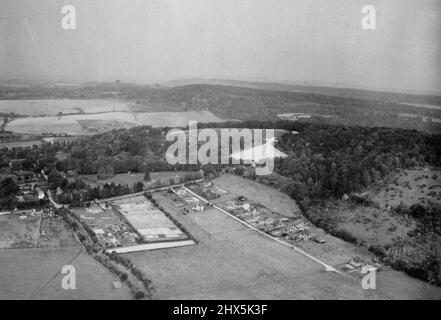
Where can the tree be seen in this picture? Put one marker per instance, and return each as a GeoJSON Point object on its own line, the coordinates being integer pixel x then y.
{"type": "Point", "coordinates": [6, 119]}
{"type": "Point", "coordinates": [367, 179]}
{"type": "Point", "coordinates": [138, 186]}
{"type": "Point", "coordinates": [8, 187]}
{"type": "Point", "coordinates": [105, 172]}
{"type": "Point", "coordinates": [139, 295]}
{"type": "Point", "coordinates": [56, 180]}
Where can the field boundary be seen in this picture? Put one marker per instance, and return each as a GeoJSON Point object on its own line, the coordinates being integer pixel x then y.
{"type": "Point", "coordinates": [152, 246]}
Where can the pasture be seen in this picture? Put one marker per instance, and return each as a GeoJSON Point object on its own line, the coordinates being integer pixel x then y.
{"type": "Point", "coordinates": [33, 251]}
{"type": "Point", "coordinates": [20, 144]}
{"type": "Point", "coordinates": [87, 124]}
{"type": "Point", "coordinates": [51, 107]}
{"type": "Point", "coordinates": [36, 274]}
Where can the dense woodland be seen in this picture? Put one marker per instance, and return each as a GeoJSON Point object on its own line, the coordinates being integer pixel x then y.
{"type": "Point", "coordinates": [329, 160]}
{"type": "Point", "coordinates": [323, 160]}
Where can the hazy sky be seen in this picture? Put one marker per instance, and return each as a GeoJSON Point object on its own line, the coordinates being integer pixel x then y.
{"type": "Point", "coordinates": [292, 40]}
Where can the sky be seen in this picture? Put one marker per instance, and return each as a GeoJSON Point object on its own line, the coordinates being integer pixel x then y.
{"type": "Point", "coordinates": [153, 41]}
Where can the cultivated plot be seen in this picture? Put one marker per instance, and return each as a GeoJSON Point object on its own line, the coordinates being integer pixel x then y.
{"type": "Point", "coordinates": [109, 229]}
{"type": "Point", "coordinates": [148, 220]}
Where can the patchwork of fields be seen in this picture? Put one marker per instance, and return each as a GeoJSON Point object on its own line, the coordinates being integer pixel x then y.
{"type": "Point", "coordinates": [229, 260]}
{"type": "Point", "coordinates": [232, 262]}
{"type": "Point", "coordinates": [87, 124]}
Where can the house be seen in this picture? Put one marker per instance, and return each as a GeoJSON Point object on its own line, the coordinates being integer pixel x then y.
{"type": "Point", "coordinates": [198, 208]}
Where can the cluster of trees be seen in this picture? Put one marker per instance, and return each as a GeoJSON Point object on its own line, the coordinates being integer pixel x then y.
{"type": "Point", "coordinates": [327, 161]}
{"type": "Point", "coordinates": [8, 187]}
{"type": "Point", "coordinates": [420, 256]}
{"type": "Point", "coordinates": [139, 149]}
{"type": "Point", "coordinates": [77, 196]}
{"type": "Point", "coordinates": [323, 160]}
{"type": "Point", "coordinates": [8, 190]}
{"type": "Point", "coordinates": [330, 161]}
{"type": "Point", "coordinates": [428, 218]}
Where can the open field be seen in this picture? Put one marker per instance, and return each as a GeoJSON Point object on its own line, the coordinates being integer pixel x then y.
{"type": "Point", "coordinates": [267, 196]}
{"type": "Point", "coordinates": [232, 262]}
{"type": "Point", "coordinates": [84, 124]}
{"type": "Point", "coordinates": [39, 229]}
{"type": "Point", "coordinates": [36, 274]}
{"type": "Point", "coordinates": [411, 187]}
{"type": "Point", "coordinates": [53, 233]}
{"type": "Point", "coordinates": [421, 105]}
{"type": "Point", "coordinates": [19, 230]}
{"type": "Point", "coordinates": [174, 119]}
{"type": "Point", "coordinates": [207, 190]}
{"type": "Point", "coordinates": [51, 107]}
{"type": "Point", "coordinates": [20, 144]}
{"type": "Point", "coordinates": [368, 224]}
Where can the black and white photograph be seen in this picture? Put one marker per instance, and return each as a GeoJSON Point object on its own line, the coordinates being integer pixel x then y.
{"type": "Point", "coordinates": [220, 154]}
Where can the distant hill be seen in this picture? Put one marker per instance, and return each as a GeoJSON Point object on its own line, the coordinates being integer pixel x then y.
{"type": "Point", "coordinates": [332, 90]}
{"type": "Point", "coordinates": [241, 100]}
